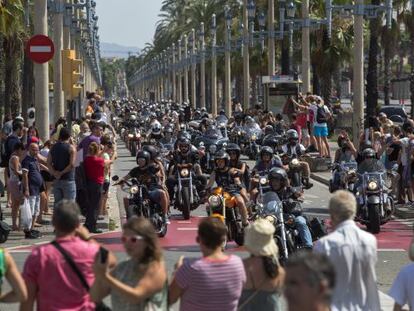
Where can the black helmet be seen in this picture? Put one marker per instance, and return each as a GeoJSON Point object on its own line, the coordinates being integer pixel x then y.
{"type": "Point", "coordinates": [144, 155]}
{"type": "Point", "coordinates": [184, 142]}
{"type": "Point", "coordinates": [292, 135]}
{"type": "Point", "coordinates": [369, 153]}
{"type": "Point", "coordinates": [268, 130]}
{"type": "Point", "coordinates": [233, 147]}
{"type": "Point", "coordinates": [221, 154]}
{"type": "Point", "coordinates": [153, 152]}
{"type": "Point", "coordinates": [266, 149]}
{"type": "Point", "coordinates": [278, 173]}
{"type": "Point", "coordinates": [183, 134]}
{"type": "Point", "coordinates": [249, 119]}
{"type": "Point", "coordinates": [168, 129]}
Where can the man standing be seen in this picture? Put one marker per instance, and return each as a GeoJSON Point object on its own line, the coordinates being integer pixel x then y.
{"type": "Point", "coordinates": [51, 282]}
{"type": "Point", "coordinates": [97, 130]}
{"type": "Point", "coordinates": [61, 164]}
{"type": "Point", "coordinates": [32, 182]}
{"type": "Point", "coordinates": [353, 253]}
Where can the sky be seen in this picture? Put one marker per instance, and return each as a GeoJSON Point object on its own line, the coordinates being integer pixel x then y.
{"type": "Point", "coordinates": [127, 22]}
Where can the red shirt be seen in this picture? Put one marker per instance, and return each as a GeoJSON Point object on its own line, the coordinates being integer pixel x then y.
{"type": "Point", "coordinates": [94, 168]}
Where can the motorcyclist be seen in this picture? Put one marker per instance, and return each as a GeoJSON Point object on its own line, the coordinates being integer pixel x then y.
{"type": "Point", "coordinates": [295, 150]}
{"type": "Point", "coordinates": [155, 132]}
{"type": "Point", "coordinates": [168, 138]}
{"type": "Point", "coordinates": [279, 183]}
{"type": "Point", "coordinates": [233, 150]}
{"type": "Point", "coordinates": [228, 179]}
{"type": "Point", "coordinates": [370, 164]}
{"type": "Point", "coordinates": [346, 153]}
{"type": "Point", "coordinates": [185, 156]}
{"type": "Point", "coordinates": [149, 174]}
{"type": "Point", "coordinates": [266, 162]}
{"type": "Point", "coordinates": [251, 125]}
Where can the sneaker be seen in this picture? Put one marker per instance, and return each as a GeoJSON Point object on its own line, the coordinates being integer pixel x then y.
{"type": "Point", "coordinates": [32, 234]}
{"type": "Point", "coordinates": [97, 231]}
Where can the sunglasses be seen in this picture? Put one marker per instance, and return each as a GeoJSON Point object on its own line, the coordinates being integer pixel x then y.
{"type": "Point", "coordinates": [133, 239]}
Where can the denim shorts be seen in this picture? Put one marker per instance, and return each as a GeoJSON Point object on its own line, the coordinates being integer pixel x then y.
{"type": "Point", "coordinates": [320, 131]}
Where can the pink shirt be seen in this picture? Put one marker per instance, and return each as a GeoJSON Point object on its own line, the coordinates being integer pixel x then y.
{"type": "Point", "coordinates": [211, 285]}
{"type": "Point", "coordinates": [59, 288]}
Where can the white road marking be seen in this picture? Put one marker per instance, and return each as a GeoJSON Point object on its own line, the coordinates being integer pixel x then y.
{"type": "Point", "coordinates": [184, 221]}
{"type": "Point", "coordinates": [391, 250]}
{"type": "Point", "coordinates": [187, 229]}
{"type": "Point", "coordinates": [40, 49]}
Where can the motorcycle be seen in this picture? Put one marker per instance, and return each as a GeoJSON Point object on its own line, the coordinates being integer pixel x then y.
{"type": "Point", "coordinates": [185, 192]}
{"type": "Point", "coordinates": [346, 176]}
{"type": "Point", "coordinates": [375, 205]}
{"type": "Point", "coordinates": [222, 205]}
{"type": "Point", "coordinates": [138, 204]}
{"type": "Point", "coordinates": [251, 146]}
{"type": "Point", "coordinates": [209, 143]}
{"type": "Point", "coordinates": [134, 141]}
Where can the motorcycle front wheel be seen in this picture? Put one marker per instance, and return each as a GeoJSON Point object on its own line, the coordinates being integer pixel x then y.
{"type": "Point", "coordinates": [186, 205]}
{"type": "Point", "coordinates": [374, 218]}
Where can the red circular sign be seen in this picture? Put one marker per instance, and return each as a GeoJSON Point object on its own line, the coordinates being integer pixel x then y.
{"type": "Point", "coordinates": [40, 49]}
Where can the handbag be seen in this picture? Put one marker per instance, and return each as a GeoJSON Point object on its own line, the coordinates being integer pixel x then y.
{"type": "Point", "coordinates": [100, 306]}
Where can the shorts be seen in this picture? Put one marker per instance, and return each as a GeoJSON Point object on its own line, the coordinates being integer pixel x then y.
{"type": "Point", "coordinates": [14, 189]}
{"type": "Point", "coordinates": [155, 195]}
{"type": "Point", "coordinates": [320, 131]}
{"type": "Point", "coordinates": [34, 202]}
{"type": "Point", "coordinates": [105, 186]}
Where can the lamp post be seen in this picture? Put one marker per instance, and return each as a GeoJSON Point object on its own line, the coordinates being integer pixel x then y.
{"type": "Point", "coordinates": [271, 41]}
{"type": "Point", "coordinates": [290, 11]}
{"type": "Point", "coordinates": [227, 63]}
{"type": "Point", "coordinates": [246, 56]}
{"type": "Point", "coordinates": [193, 70]}
{"type": "Point", "coordinates": [306, 86]}
{"type": "Point", "coordinates": [213, 66]}
{"type": "Point", "coordinates": [180, 83]}
{"type": "Point", "coordinates": [202, 68]}
{"type": "Point", "coordinates": [174, 75]}
{"type": "Point", "coordinates": [185, 69]}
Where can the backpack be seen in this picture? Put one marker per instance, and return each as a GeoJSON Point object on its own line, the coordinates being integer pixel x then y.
{"type": "Point", "coordinates": [321, 115]}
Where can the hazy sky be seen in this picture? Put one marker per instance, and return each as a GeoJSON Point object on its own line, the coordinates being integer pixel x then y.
{"type": "Point", "coordinates": [127, 22]}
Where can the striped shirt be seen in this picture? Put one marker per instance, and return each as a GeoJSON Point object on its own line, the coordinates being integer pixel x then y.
{"type": "Point", "coordinates": [210, 284]}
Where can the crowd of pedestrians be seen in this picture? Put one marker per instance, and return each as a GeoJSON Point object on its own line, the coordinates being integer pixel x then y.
{"type": "Point", "coordinates": [74, 272]}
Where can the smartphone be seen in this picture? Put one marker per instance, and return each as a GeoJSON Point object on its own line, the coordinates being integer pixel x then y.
{"type": "Point", "coordinates": [103, 254]}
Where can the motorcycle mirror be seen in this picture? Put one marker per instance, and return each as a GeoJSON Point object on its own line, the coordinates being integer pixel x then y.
{"type": "Point", "coordinates": [115, 178]}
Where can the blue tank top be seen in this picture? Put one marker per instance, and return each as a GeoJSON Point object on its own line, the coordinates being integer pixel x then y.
{"type": "Point", "coordinates": [60, 153]}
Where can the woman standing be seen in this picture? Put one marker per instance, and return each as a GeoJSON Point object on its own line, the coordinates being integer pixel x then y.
{"type": "Point", "coordinates": [94, 168]}
{"type": "Point", "coordinates": [138, 283]}
{"type": "Point", "coordinates": [109, 155]}
{"type": "Point", "coordinates": [14, 181]}
{"type": "Point", "coordinates": [48, 178]}
{"type": "Point", "coordinates": [265, 277]}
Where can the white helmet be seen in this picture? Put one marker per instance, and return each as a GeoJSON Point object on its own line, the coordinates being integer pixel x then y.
{"type": "Point", "coordinates": [156, 128]}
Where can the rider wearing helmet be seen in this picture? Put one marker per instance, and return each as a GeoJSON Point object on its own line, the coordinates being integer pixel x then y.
{"type": "Point", "coordinates": [370, 162]}
{"type": "Point", "coordinates": [239, 167]}
{"type": "Point", "coordinates": [279, 183]}
{"type": "Point", "coordinates": [168, 138]}
{"type": "Point", "coordinates": [155, 131]}
{"type": "Point", "coordinates": [228, 179]}
{"type": "Point", "coordinates": [149, 173]}
{"type": "Point", "coordinates": [294, 150]}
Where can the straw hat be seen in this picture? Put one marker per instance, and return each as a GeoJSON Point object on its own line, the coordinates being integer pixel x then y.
{"type": "Point", "coordinates": [259, 239]}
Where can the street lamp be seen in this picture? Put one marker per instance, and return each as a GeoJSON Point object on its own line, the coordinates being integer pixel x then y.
{"type": "Point", "coordinates": [213, 66]}
{"type": "Point", "coordinates": [290, 12]}
{"type": "Point", "coordinates": [227, 65]}
{"type": "Point", "coordinates": [262, 24]}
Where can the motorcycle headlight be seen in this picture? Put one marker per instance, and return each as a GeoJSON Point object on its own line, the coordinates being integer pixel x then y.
{"type": "Point", "coordinates": [184, 172]}
{"type": "Point", "coordinates": [295, 162]}
{"type": "Point", "coordinates": [138, 135]}
{"type": "Point", "coordinates": [254, 137]}
{"type": "Point", "coordinates": [263, 181]}
{"type": "Point", "coordinates": [201, 144]}
{"type": "Point", "coordinates": [133, 189]}
{"type": "Point", "coordinates": [214, 200]}
{"type": "Point", "coordinates": [130, 136]}
{"type": "Point", "coordinates": [212, 148]}
{"type": "Point", "coordinates": [372, 185]}
{"type": "Point", "coordinates": [271, 219]}
{"type": "Point", "coordinates": [239, 133]}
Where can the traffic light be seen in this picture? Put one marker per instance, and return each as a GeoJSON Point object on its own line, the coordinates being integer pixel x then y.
{"type": "Point", "coordinates": [71, 71]}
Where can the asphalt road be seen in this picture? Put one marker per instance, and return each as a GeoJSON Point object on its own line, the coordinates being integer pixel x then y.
{"type": "Point", "coordinates": [180, 239]}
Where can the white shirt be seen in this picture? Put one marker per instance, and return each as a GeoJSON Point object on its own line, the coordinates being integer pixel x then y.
{"type": "Point", "coordinates": [405, 143]}
{"type": "Point", "coordinates": [402, 290]}
{"type": "Point", "coordinates": [353, 252]}
{"type": "Point", "coordinates": [293, 149]}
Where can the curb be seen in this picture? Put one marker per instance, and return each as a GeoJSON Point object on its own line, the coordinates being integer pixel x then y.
{"type": "Point", "coordinates": [404, 212]}
{"type": "Point", "coordinates": [320, 179]}
{"type": "Point", "coordinates": [114, 219]}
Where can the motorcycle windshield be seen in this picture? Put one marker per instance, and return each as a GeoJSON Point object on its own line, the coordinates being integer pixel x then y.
{"type": "Point", "coordinates": [350, 165]}
{"type": "Point", "coordinates": [271, 203]}
{"type": "Point", "coordinates": [253, 129]}
{"type": "Point", "coordinates": [222, 121]}
{"type": "Point", "coordinates": [213, 134]}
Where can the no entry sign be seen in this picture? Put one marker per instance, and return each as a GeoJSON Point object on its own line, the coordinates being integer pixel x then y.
{"type": "Point", "coordinates": [40, 49]}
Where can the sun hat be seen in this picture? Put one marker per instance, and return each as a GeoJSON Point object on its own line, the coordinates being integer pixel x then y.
{"type": "Point", "coordinates": [259, 240]}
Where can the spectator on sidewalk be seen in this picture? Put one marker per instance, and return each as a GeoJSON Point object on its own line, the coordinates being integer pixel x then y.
{"type": "Point", "coordinates": [51, 282]}
{"type": "Point", "coordinates": [32, 184]}
{"type": "Point", "coordinates": [386, 124]}
{"type": "Point", "coordinates": [95, 136]}
{"type": "Point", "coordinates": [48, 179]}
{"type": "Point", "coordinates": [402, 288]}
{"type": "Point", "coordinates": [353, 252]}
{"type": "Point", "coordinates": [14, 181]}
{"type": "Point", "coordinates": [216, 273]}
{"type": "Point", "coordinates": [109, 156]}
{"type": "Point", "coordinates": [94, 166]}
{"type": "Point", "coordinates": [265, 276]}
{"type": "Point", "coordinates": [139, 283]}
{"type": "Point", "coordinates": [320, 127]}
{"type": "Point", "coordinates": [60, 123]}
{"type": "Point", "coordinates": [310, 281]}
{"type": "Point", "coordinates": [61, 164]}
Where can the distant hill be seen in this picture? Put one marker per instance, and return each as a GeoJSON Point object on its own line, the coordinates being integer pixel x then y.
{"type": "Point", "coordinates": [109, 50]}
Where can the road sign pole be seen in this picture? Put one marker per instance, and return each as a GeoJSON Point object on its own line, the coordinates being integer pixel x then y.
{"type": "Point", "coordinates": [58, 100]}
{"type": "Point", "coordinates": [41, 74]}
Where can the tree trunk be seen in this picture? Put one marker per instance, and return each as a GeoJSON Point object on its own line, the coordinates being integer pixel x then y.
{"type": "Point", "coordinates": [326, 74]}
{"type": "Point", "coordinates": [28, 84]}
{"type": "Point", "coordinates": [372, 75]}
{"type": "Point", "coordinates": [316, 85]}
{"type": "Point", "coordinates": [2, 71]}
{"type": "Point", "coordinates": [285, 57]}
{"type": "Point", "coordinates": [387, 72]}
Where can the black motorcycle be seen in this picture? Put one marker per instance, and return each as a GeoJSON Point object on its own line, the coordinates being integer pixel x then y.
{"type": "Point", "coordinates": [140, 205]}
{"type": "Point", "coordinates": [211, 142]}
{"type": "Point", "coordinates": [186, 197]}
